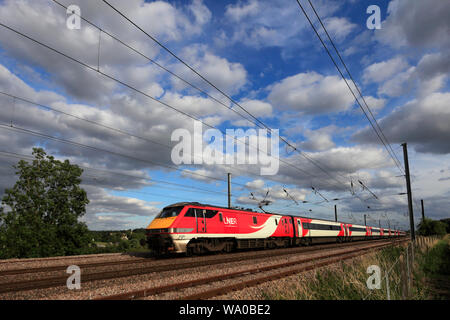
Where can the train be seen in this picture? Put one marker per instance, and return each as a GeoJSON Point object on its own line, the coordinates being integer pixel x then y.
{"type": "Point", "coordinates": [196, 228]}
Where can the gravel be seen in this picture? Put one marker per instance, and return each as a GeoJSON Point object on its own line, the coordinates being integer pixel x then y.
{"type": "Point", "coordinates": [100, 288]}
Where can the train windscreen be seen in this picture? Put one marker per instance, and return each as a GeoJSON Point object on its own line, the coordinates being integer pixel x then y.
{"type": "Point", "coordinates": [170, 212]}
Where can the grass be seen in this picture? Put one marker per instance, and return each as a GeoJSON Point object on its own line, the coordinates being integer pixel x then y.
{"type": "Point", "coordinates": [347, 280]}
{"type": "Point", "coordinates": [434, 269]}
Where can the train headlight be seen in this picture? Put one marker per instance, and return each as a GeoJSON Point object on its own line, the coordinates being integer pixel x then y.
{"type": "Point", "coordinates": [180, 230]}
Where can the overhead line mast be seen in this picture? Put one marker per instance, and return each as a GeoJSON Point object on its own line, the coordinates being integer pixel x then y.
{"type": "Point", "coordinates": [356, 86]}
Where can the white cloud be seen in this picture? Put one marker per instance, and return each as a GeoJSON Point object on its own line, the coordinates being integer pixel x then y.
{"type": "Point", "coordinates": [395, 77]}
{"type": "Point", "coordinates": [275, 23]}
{"type": "Point", "coordinates": [311, 93]}
{"type": "Point", "coordinates": [339, 28]}
{"type": "Point", "coordinates": [375, 104]}
{"type": "Point", "coordinates": [423, 123]}
{"type": "Point", "coordinates": [318, 140]}
{"type": "Point", "coordinates": [416, 24]}
{"type": "Point", "coordinates": [399, 84]}
{"type": "Point", "coordinates": [255, 184]}
{"type": "Point", "coordinates": [242, 11]}
{"type": "Point", "coordinates": [383, 70]}
{"type": "Point", "coordinates": [257, 108]}
{"type": "Point", "coordinates": [228, 76]}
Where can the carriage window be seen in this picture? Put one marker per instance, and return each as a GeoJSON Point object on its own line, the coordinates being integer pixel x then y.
{"type": "Point", "coordinates": [220, 217]}
{"type": "Point", "coordinates": [255, 220]}
{"type": "Point", "coordinates": [276, 222]}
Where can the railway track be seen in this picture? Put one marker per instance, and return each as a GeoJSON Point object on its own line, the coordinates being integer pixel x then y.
{"type": "Point", "coordinates": [60, 258]}
{"type": "Point", "coordinates": [57, 268]}
{"type": "Point", "coordinates": [62, 268]}
{"type": "Point", "coordinates": [301, 265]}
{"type": "Point", "coordinates": [144, 268]}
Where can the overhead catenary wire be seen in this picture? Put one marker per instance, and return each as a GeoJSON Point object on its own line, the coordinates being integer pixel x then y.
{"type": "Point", "coordinates": [114, 172]}
{"type": "Point", "coordinates": [183, 62]}
{"type": "Point", "coordinates": [81, 145]}
{"type": "Point", "coordinates": [143, 93]}
{"type": "Point", "coordinates": [98, 149]}
{"type": "Point", "coordinates": [348, 85]}
{"type": "Point", "coordinates": [258, 123]}
{"type": "Point", "coordinates": [65, 141]}
{"type": "Point", "coordinates": [311, 160]}
{"type": "Point", "coordinates": [99, 178]}
{"type": "Point", "coordinates": [314, 162]}
{"type": "Point", "coordinates": [356, 86]}
{"type": "Point", "coordinates": [98, 70]}
{"type": "Point", "coordinates": [157, 64]}
{"type": "Point", "coordinates": [96, 123]}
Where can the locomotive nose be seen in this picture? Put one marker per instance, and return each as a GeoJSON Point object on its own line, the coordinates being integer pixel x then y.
{"type": "Point", "coordinates": [158, 239]}
{"type": "Point", "coordinates": [161, 223]}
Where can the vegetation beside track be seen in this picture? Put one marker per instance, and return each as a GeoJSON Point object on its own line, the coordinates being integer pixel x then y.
{"type": "Point", "coordinates": [347, 280]}
{"type": "Point", "coordinates": [434, 269]}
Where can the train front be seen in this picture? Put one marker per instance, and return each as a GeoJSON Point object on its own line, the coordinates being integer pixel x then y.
{"type": "Point", "coordinates": [159, 231]}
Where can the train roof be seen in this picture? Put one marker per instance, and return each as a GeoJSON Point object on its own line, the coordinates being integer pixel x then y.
{"type": "Point", "coordinates": [179, 204]}
{"type": "Point", "coordinates": [193, 203]}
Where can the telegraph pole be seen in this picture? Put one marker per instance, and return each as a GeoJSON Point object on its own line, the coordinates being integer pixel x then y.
{"type": "Point", "coordinates": [335, 213]}
{"type": "Point", "coordinates": [229, 190]}
{"type": "Point", "coordinates": [365, 223]}
{"type": "Point", "coordinates": [408, 188]}
{"type": "Point", "coordinates": [423, 211]}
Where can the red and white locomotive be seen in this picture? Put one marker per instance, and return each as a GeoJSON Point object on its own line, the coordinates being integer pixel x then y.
{"type": "Point", "coordinates": [192, 227]}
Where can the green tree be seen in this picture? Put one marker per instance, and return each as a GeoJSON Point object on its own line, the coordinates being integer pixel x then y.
{"type": "Point", "coordinates": [429, 227]}
{"type": "Point", "coordinates": [39, 215]}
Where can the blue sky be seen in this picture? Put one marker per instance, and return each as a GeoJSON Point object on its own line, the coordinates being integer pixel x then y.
{"type": "Point", "coordinates": [265, 55]}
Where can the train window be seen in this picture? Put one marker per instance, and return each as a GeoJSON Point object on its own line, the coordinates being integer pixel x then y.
{"type": "Point", "coordinates": [201, 213]}
{"type": "Point", "coordinates": [276, 222]}
{"type": "Point", "coordinates": [357, 229]}
{"type": "Point", "coordinates": [255, 220]}
{"type": "Point", "coordinates": [170, 212]}
{"type": "Point", "coordinates": [220, 217]}
{"type": "Point", "coordinates": [210, 213]}
{"type": "Point", "coordinates": [319, 226]}
{"type": "Point", "coordinates": [190, 213]}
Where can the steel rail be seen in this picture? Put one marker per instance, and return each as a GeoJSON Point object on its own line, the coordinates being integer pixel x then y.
{"type": "Point", "coordinates": [330, 259]}
{"type": "Point", "coordinates": [22, 271]}
{"type": "Point", "coordinates": [24, 285]}
{"type": "Point", "coordinates": [192, 283]}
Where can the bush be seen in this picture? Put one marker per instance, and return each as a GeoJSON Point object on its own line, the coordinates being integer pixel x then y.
{"type": "Point", "coordinates": [429, 227]}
